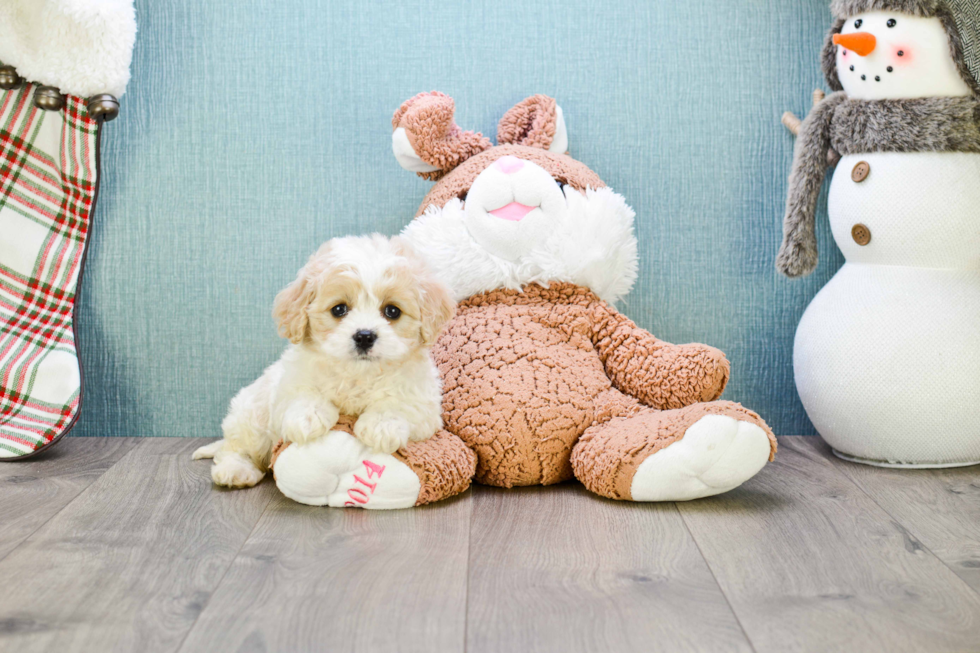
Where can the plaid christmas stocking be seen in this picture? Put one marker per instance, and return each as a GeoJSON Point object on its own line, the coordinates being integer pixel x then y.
{"type": "Point", "coordinates": [77, 54]}
{"type": "Point", "coordinates": [48, 183]}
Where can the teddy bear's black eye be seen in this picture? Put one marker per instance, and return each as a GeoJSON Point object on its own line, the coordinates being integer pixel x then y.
{"type": "Point", "coordinates": [340, 310]}
{"type": "Point", "coordinates": [392, 312]}
{"type": "Point", "coordinates": [892, 22]}
{"type": "Point", "coordinates": [858, 23]}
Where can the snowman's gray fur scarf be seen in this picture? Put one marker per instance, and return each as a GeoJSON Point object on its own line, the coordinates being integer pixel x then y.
{"type": "Point", "coordinates": [940, 124]}
{"type": "Point", "coordinates": [859, 127]}
{"type": "Point", "coordinates": [798, 255]}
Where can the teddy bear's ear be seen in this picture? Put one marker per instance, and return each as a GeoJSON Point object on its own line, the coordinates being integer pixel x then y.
{"type": "Point", "coordinates": [535, 122]}
{"type": "Point", "coordinates": [426, 140]}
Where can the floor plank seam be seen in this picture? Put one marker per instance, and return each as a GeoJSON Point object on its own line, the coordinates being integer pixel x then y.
{"type": "Point", "coordinates": [714, 577]}
{"type": "Point", "coordinates": [469, 553]}
{"type": "Point", "coordinates": [909, 530]}
{"type": "Point", "coordinates": [70, 502]}
{"type": "Point", "coordinates": [224, 574]}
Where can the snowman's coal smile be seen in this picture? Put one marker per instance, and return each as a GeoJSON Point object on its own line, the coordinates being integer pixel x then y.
{"type": "Point", "coordinates": [877, 77]}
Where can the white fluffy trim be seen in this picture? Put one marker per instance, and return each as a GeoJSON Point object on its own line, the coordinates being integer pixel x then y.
{"type": "Point", "coordinates": [595, 248]}
{"type": "Point", "coordinates": [82, 47]}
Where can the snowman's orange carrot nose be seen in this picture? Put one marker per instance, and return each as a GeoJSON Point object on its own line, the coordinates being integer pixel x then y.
{"type": "Point", "coordinates": [860, 42]}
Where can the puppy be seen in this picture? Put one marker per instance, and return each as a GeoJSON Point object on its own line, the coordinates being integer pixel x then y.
{"type": "Point", "coordinates": [362, 316]}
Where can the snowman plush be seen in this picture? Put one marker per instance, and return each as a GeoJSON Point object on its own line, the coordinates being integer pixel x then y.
{"type": "Point", "coordinates": [887, 356]}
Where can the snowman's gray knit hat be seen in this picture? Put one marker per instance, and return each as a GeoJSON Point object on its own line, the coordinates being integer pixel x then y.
{"type": "Point", "coordinates": [960, 17]}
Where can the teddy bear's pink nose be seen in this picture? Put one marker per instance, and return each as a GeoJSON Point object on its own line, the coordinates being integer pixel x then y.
{"type": "Point", "coordinates": [509, 164]}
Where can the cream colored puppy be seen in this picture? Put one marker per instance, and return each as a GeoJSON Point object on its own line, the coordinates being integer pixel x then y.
{"type": "Point", "coordinates": [361, 317]}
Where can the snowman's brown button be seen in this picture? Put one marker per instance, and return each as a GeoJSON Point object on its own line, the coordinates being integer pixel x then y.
{"type": "Point", "coordinates": [861, 234]}
{"type": "Point", "coordinates": [861, 172]}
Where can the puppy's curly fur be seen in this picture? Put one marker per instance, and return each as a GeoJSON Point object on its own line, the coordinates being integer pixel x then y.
{"type": "Point", "coordinates": [361, 316]}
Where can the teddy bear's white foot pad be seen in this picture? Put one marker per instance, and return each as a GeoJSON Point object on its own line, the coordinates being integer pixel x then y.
{"type": "Point", "coordinates": [337, 470]}
{"type": "Point", "coordinates": [716, 454]}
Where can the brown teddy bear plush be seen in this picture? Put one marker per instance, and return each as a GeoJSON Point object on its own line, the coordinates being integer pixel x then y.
{"type": "Point", "coordinates": [544, 380]}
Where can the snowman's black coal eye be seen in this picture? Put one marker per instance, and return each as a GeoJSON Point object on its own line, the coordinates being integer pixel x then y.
{"type": "Point", "coordinates": [858, 23]}
{"type": "Point", "coordinates": [892, 22]}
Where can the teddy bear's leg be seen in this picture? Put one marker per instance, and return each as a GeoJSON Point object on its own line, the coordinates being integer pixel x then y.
{"type": "Point", "coordinates": [673, 455]}
{"type": "Point", "coordinates": [338, 470]}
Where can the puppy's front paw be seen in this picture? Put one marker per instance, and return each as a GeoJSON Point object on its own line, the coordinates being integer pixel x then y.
{"type": "Point", "coordinates": [305, 422]}
{"type": "Point", "coordinates": [384, 433]}
{"type": "Point", "coordinates": [232, 469]}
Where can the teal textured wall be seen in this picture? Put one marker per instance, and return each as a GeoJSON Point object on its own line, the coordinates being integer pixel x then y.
{"type": "Point", "coordinates": [255, 129]}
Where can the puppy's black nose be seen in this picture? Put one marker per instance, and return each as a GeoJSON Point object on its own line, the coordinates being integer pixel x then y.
{"type": "Point", "coordinates": [364, 339]}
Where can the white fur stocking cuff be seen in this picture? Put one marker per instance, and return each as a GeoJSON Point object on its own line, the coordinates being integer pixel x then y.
{"type": "Point", "coordinates": [82, 47]}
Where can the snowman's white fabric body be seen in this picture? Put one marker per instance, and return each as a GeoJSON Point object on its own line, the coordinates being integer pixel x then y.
{"type": "Point", "coordinates": [887, 356]}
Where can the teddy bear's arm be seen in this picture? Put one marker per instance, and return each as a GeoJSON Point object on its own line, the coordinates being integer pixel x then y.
{"type": "Point", "coordinates": [659, 374]}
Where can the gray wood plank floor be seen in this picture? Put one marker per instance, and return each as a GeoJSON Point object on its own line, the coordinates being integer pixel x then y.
{"type": "Point", "coordinates": [35, 490]}
{"type": "Point", "coordinates": [124, 545]}
{"type": "Point", "coordinates": [559, 569]}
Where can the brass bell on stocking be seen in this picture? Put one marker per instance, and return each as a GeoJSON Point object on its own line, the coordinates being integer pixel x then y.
{"type": "Point", "coordinates": [49, 98]}
{"type": "Point", "coordinates": [9, 79]}
{"type": "Point", "coordinates": [103, 107]}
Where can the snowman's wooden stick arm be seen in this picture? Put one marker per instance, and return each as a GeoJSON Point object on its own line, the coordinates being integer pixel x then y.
{"type": "Point", "coordinates": [798, 254]}
{"type": "Point", "coordinates": [793, 124]}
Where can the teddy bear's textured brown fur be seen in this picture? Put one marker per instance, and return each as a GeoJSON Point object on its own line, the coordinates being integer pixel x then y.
{"type": "Point", "coordinates": [551, 383]}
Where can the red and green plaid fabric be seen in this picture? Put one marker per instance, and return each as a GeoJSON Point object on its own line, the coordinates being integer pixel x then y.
{"type": "Point", "coordinates": [48, 181]}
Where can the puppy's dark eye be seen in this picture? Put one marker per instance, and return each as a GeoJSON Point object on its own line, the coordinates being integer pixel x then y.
{"type": "Point", "coordinates": [892, 22]}
{"type": "Point", "coordinates": [392, 312]}
{"type": "Point", "coordinates": [858, 23]}
{"type": "Point", "coordinates": [340, 310]}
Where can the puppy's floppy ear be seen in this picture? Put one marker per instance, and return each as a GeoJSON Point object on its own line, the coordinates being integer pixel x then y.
{"type": "Point", "coordinates": [426, 140]}
{"type": "Point", "coordinates": [436, 303]}
{"type": "Point", "coordinates": [438, 307]}
{"type": "Point", "coordinates": [535, 122]}
{"type": "Point", "coordinates": [289, 308]}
